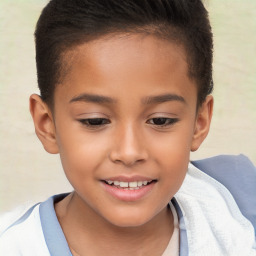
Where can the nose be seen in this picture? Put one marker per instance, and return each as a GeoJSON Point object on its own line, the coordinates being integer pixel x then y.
{"type": "Point", "coordinates": [128, 147]}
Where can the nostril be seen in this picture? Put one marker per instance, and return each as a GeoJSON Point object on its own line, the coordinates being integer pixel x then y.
{"type": "Point", "coordinates": [127, 162]}
{"type": "Point", "coordinates": [128, 153]}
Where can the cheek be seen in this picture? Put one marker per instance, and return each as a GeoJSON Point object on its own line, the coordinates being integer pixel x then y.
{"type": "Point", "coordinates": [80, 153]}
{"type": "Point", "coordinates": [173, 145]}
{"type": "Point", "coordinates": [172, 154]}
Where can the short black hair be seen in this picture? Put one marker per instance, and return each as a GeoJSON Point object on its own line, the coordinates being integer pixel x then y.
{"type": "Point", "coordinates": [64, 24]}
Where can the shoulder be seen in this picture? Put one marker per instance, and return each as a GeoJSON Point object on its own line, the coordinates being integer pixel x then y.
{"type": "Point", "coordinates": [37, 232]}
{"type": "Point", "coordinates": [226, 163]}
{"type": "Point", "coordinates": [24, 236]}
{"type": "Point", "coordinates": [238, 175]}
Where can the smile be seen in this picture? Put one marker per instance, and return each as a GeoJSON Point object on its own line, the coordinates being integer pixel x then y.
{"type": "Point", "coordinates": [133, 185]}
{"type": "Point", "coordinates": [128, 189]}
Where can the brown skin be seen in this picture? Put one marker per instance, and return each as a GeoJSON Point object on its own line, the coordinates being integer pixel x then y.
{"type": "Point", "coordinates": [127, 69]}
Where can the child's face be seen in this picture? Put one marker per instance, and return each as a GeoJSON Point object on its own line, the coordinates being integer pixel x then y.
{"type": "Point", "coordinates": [126, 112]}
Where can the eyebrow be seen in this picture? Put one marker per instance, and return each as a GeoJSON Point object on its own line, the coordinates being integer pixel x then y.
{"type": "Point", "coordinates": [163, 98]}
{"type": "Point", "coordinates": [94, 98]}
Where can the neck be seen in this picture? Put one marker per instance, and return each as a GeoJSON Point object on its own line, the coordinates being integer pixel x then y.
{"type": "Point", "coordinates": [82, 227]}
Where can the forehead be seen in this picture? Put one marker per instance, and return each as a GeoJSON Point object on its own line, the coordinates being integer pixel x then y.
{"type": "Point", "coordinates": [143, 64]}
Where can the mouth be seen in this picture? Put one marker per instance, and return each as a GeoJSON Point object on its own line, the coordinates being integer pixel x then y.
{"type": "Point", "coordinates": [128, 190]}
{"type": "Point", "coordinates": [132, 185]}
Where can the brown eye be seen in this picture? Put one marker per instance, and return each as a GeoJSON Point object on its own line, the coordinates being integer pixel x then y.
{"type": "Point", "coordinates": [162, 121]}
{"type": "Point", "coordinates": [94, 121]}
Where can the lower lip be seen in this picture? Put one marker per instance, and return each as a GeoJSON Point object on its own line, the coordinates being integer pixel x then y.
{"type": "Point", "coordinates": [129, 195]}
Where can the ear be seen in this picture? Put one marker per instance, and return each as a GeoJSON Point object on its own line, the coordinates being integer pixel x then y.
{"type": "Point", "coordinates": [202, 123]}
{"type": "Point", "coordinates": [44, 123]}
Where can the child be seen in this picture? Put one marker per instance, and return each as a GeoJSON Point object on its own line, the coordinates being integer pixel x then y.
{"type": "Point", "coordinates": [125, 96]}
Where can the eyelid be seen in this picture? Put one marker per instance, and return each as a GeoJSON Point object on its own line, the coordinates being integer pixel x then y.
{"type": "Point", "coordinates": [92, 115]}
{"type": "Point", "coordinates": [86, 122]}
{"type": "Point", "coordinates": [171, 122]}
{"type": "Point", "coordinates": [162, 115]}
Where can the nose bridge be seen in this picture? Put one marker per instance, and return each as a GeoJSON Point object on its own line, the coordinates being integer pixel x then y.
{"type": "Point", "coordinates": [128, 147]}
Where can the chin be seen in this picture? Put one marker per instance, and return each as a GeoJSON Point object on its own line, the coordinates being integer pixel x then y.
{"type": "Point", "coordinates": [129, 219]}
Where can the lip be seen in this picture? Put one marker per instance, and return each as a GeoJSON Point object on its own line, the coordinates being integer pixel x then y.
{"type": "Point", "coordinates": [129, 195]}
{"type": "Point", "coordinates": [129, 179]}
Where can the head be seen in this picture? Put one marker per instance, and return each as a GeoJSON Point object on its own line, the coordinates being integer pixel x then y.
{"type": "Point", "coordinates": [124, 97]}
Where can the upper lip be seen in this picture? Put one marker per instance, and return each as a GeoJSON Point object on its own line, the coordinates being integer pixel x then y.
{"type": "Point", "coordinates": [129, 178]}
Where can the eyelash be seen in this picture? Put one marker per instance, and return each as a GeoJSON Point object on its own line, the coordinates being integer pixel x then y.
{"type": "Point", "coordinates": [99, 122]}
{"type": "Point", "coordinates": [166, 121]}
{"type": "Point", "coordinates": [94, 122]}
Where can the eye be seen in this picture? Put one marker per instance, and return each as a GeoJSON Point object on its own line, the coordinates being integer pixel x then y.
{"type": "Point", "coordinates": [162, 121]}
{"type": "Point", "coordinates": [94, 122]}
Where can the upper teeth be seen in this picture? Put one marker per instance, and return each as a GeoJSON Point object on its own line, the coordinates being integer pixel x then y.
{"type": "Point", "coordinates": [132, 184]}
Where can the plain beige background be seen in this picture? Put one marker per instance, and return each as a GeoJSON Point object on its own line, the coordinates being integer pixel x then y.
{"type": "Point", "coordinates": [29, 174]}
